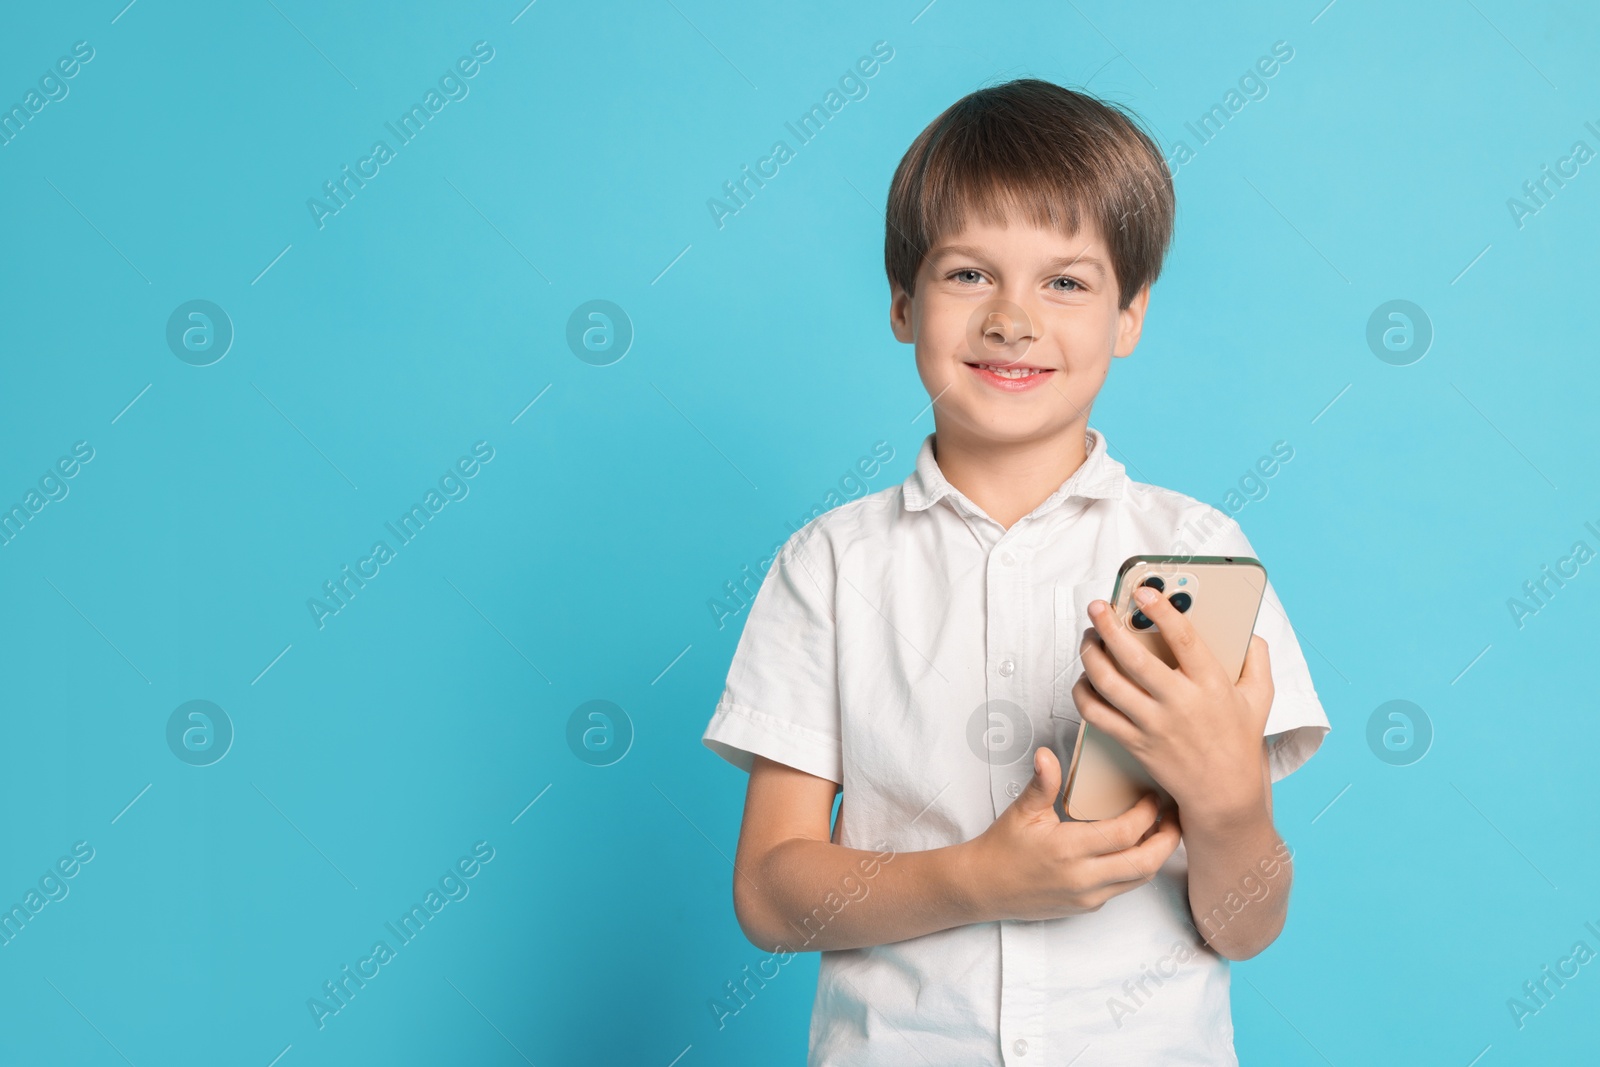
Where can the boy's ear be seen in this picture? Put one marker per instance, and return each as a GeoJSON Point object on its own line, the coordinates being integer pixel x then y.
{"type": "Point", "coordinates": [1130, 323]}
{"type": "Point", "coordinates": [900, 315]}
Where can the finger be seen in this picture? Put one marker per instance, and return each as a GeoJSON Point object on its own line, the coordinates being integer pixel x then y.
{"type": "Point", "coordinates": [1108, 890]}
{"type": "Point", "coordinates": [1123, 831]}
{"type": "Point", "coordinates": [1097, 712]}
{"type": "Point", "coordinates": [1256, 676]}
{"type": "Point", "coordinates": [1140, 862]}
{"type": "Point", "coordinates": [1136, 661]}
{"type": "Point", "coordinates": [1109, 681]}
{"type": "Point", "coordinates": [1193, 655]}
{"type": "Point", "coordinates": [1042, 789]}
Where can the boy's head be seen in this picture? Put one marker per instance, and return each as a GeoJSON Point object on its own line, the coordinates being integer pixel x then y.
{"type": "Point", "coordinates": [1025, 227]}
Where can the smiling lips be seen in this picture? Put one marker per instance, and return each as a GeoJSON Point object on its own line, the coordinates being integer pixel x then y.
{"type": "Point", "coordinates": [1011, 378]}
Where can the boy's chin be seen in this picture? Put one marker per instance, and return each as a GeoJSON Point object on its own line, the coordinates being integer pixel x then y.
{"type": "Point", "coordinates": [1014, 428]}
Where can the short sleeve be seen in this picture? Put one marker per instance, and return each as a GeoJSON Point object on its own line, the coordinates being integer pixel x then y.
{"type": "Point", "coordinates": [1297, 722]}
{"type": "Point", "coordinates": [781, 699]}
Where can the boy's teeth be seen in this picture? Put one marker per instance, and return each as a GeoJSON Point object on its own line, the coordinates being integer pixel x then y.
{"type": "Point", "coordinates": [1009, 372]}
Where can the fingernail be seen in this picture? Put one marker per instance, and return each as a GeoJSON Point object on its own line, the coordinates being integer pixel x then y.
{"type": "Point", "coordinates": [1145, 595]}
{"type": "Point", "coordinates": [1096, 607]}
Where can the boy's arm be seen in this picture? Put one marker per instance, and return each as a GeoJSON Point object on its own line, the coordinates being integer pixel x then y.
{"type": "Point", "coordinates": [1239, 875]}
{"type": "Point", "coordinates": [795, 890]}
{"type": "Point", "coordinates": [787, 874]}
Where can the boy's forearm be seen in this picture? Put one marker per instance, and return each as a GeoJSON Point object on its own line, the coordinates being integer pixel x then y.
{"type": "Point", "coordinates": [1239, 878]}
{"type": "Point", "coordinates": [807, 895]}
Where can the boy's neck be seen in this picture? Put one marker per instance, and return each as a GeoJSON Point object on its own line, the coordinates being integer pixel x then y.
{"type": "Point", "coordinates": [1009, 479]}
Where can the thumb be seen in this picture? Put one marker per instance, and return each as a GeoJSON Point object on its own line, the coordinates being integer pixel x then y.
{"type": "Point", "coordinates": [1042, 789]}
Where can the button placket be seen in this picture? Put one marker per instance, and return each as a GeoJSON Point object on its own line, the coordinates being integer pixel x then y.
{"type": "Point", "coordinates": [1006, 638]}
{"type": "Point", "coordinates": [1009, 631]}
{"type": "Point", "coordinates": [1015, 661]}
{"type": "Point", "coordinates": [1023, 1001]}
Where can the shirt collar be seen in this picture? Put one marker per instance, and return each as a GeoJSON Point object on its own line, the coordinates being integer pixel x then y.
{"type": "Point", "coordinates": [1100, 477]}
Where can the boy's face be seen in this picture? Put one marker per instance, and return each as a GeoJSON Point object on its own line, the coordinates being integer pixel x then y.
{"type": "Point", "coordinates": [997, 301]}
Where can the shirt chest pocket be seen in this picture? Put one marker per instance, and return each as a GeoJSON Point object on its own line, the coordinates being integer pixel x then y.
{"type": "Point", "coordinates": [1071, 619]}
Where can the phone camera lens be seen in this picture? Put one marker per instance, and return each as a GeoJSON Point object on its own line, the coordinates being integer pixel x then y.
{"type": "Point", "coordinates": [1154, 583]}
{"type": "Point", "coordinates": [1140, 621]}
{"type": "Point", "coordinates": [1181, 601]}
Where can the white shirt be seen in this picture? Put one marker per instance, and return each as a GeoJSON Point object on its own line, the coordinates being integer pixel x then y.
{"type": "Point", "coordinates": [881, 630]}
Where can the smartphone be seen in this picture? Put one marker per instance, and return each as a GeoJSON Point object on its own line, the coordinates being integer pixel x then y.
{"type": "Point", "coordinates": [1221, 596]}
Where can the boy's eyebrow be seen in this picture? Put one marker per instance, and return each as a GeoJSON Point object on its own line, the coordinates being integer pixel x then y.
{"type": "Point", "coordinates": [1088, 262]}
{"type": "Point", "coordinates": [1080, 261]}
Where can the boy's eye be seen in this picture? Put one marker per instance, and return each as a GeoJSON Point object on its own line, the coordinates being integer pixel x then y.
{"type": "Point", "coordinates": [967, 277]}
{"type": "Point", "coordinates": [1072, 285]}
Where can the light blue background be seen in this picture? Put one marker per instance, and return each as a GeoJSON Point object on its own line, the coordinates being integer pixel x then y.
{"type": "Point", "coordinates": [427, 314]}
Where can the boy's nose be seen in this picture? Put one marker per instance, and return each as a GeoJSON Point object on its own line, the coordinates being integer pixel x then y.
{"type": "Point", "coordinates": [1004, 324]}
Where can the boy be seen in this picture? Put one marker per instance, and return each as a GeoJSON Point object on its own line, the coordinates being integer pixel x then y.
{"type": "Point", "coordinates": [911, 648]}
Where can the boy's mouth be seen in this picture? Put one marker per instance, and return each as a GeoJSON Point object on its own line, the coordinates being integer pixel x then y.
{"type": "Point", "coordinates": [1011, 379]}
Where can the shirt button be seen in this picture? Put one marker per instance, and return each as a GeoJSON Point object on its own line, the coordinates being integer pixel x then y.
{"type": "Point", "coordinates": [1020, 1047]}
{"type": "Point", "coordinates": [1007, 558]}
{"type": "Point", "coordinates": [1014, 790]}
{"type": "Point", "coordinates": [1007, 668]}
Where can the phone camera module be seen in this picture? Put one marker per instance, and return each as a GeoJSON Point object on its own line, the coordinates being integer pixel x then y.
{"type": "Point", "coordinates": [1140, 621]}
{"type": "Point", "coordinates": [1154, 583]}
{"type": "Point", "coordinates": [1181, 601]}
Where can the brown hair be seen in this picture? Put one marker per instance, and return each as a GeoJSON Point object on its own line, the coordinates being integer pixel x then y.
{"type": "Point", "coordinates": [1057, 155]}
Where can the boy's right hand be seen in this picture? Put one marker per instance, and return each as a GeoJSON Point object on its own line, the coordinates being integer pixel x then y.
{"type": "Point", "coordinates": [1030, 865]}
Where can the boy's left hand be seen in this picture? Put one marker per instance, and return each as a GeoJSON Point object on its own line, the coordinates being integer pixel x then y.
{"type": "Point", "coordinates": [1197, 732]}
